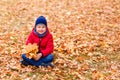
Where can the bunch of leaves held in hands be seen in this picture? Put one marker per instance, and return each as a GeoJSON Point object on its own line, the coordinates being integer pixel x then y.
{"type": "Point", "coordinates": [31, 50]}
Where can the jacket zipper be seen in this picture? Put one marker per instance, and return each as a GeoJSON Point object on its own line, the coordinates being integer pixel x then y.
{"type": "Point", "coordinates": [39, 45]}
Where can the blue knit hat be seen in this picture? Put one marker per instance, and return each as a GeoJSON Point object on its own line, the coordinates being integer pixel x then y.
{"type": "Point", "coordinates": [41, 20]}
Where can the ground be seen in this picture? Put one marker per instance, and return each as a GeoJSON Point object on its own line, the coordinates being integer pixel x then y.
{"type": "Point", "coordinates": [86, 37]}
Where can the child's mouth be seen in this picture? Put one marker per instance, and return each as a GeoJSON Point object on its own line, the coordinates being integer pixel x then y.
{"type": "Point", "coordinates": [40, 32]}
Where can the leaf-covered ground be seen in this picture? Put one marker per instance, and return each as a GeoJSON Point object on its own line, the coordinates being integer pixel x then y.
{"type": "Point", "coordinates": [86, 38]}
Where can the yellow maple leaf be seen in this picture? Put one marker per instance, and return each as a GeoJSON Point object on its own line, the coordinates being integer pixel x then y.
{"type": "Point", "coordinates": [31, 50]}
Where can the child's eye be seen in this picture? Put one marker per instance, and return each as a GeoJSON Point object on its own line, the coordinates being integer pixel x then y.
{"type": "Point", "coordinates": [39, 26]}
{"type": "Point", "coordinates": [43, 26]}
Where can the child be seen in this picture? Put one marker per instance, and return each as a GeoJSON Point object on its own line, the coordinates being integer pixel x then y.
{"type": "Point", "coordinates": [40, 35]}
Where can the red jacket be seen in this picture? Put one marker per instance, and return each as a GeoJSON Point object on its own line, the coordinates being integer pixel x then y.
{"type": "Point", "coordinates": [46, 45]}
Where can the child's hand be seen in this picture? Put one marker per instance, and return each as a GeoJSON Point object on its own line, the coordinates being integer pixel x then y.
{"type": "Point", "coordinates": [39, 55]}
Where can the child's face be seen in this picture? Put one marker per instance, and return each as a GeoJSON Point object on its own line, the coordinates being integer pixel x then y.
{"type": "Point", "coordinates": [41, 28]}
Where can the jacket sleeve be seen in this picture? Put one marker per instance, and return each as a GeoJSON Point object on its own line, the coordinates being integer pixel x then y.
{"type": "Point", "coordinates": [49, 47]}
{"type": "Point", "coordinates": [29, 39]}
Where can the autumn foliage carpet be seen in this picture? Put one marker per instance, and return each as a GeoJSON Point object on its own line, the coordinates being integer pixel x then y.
{"type": "Point", "coordinates": [86, 38]}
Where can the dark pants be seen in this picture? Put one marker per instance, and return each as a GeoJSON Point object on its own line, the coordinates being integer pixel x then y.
{"type": "Point", "coordinates": [41, 61]}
